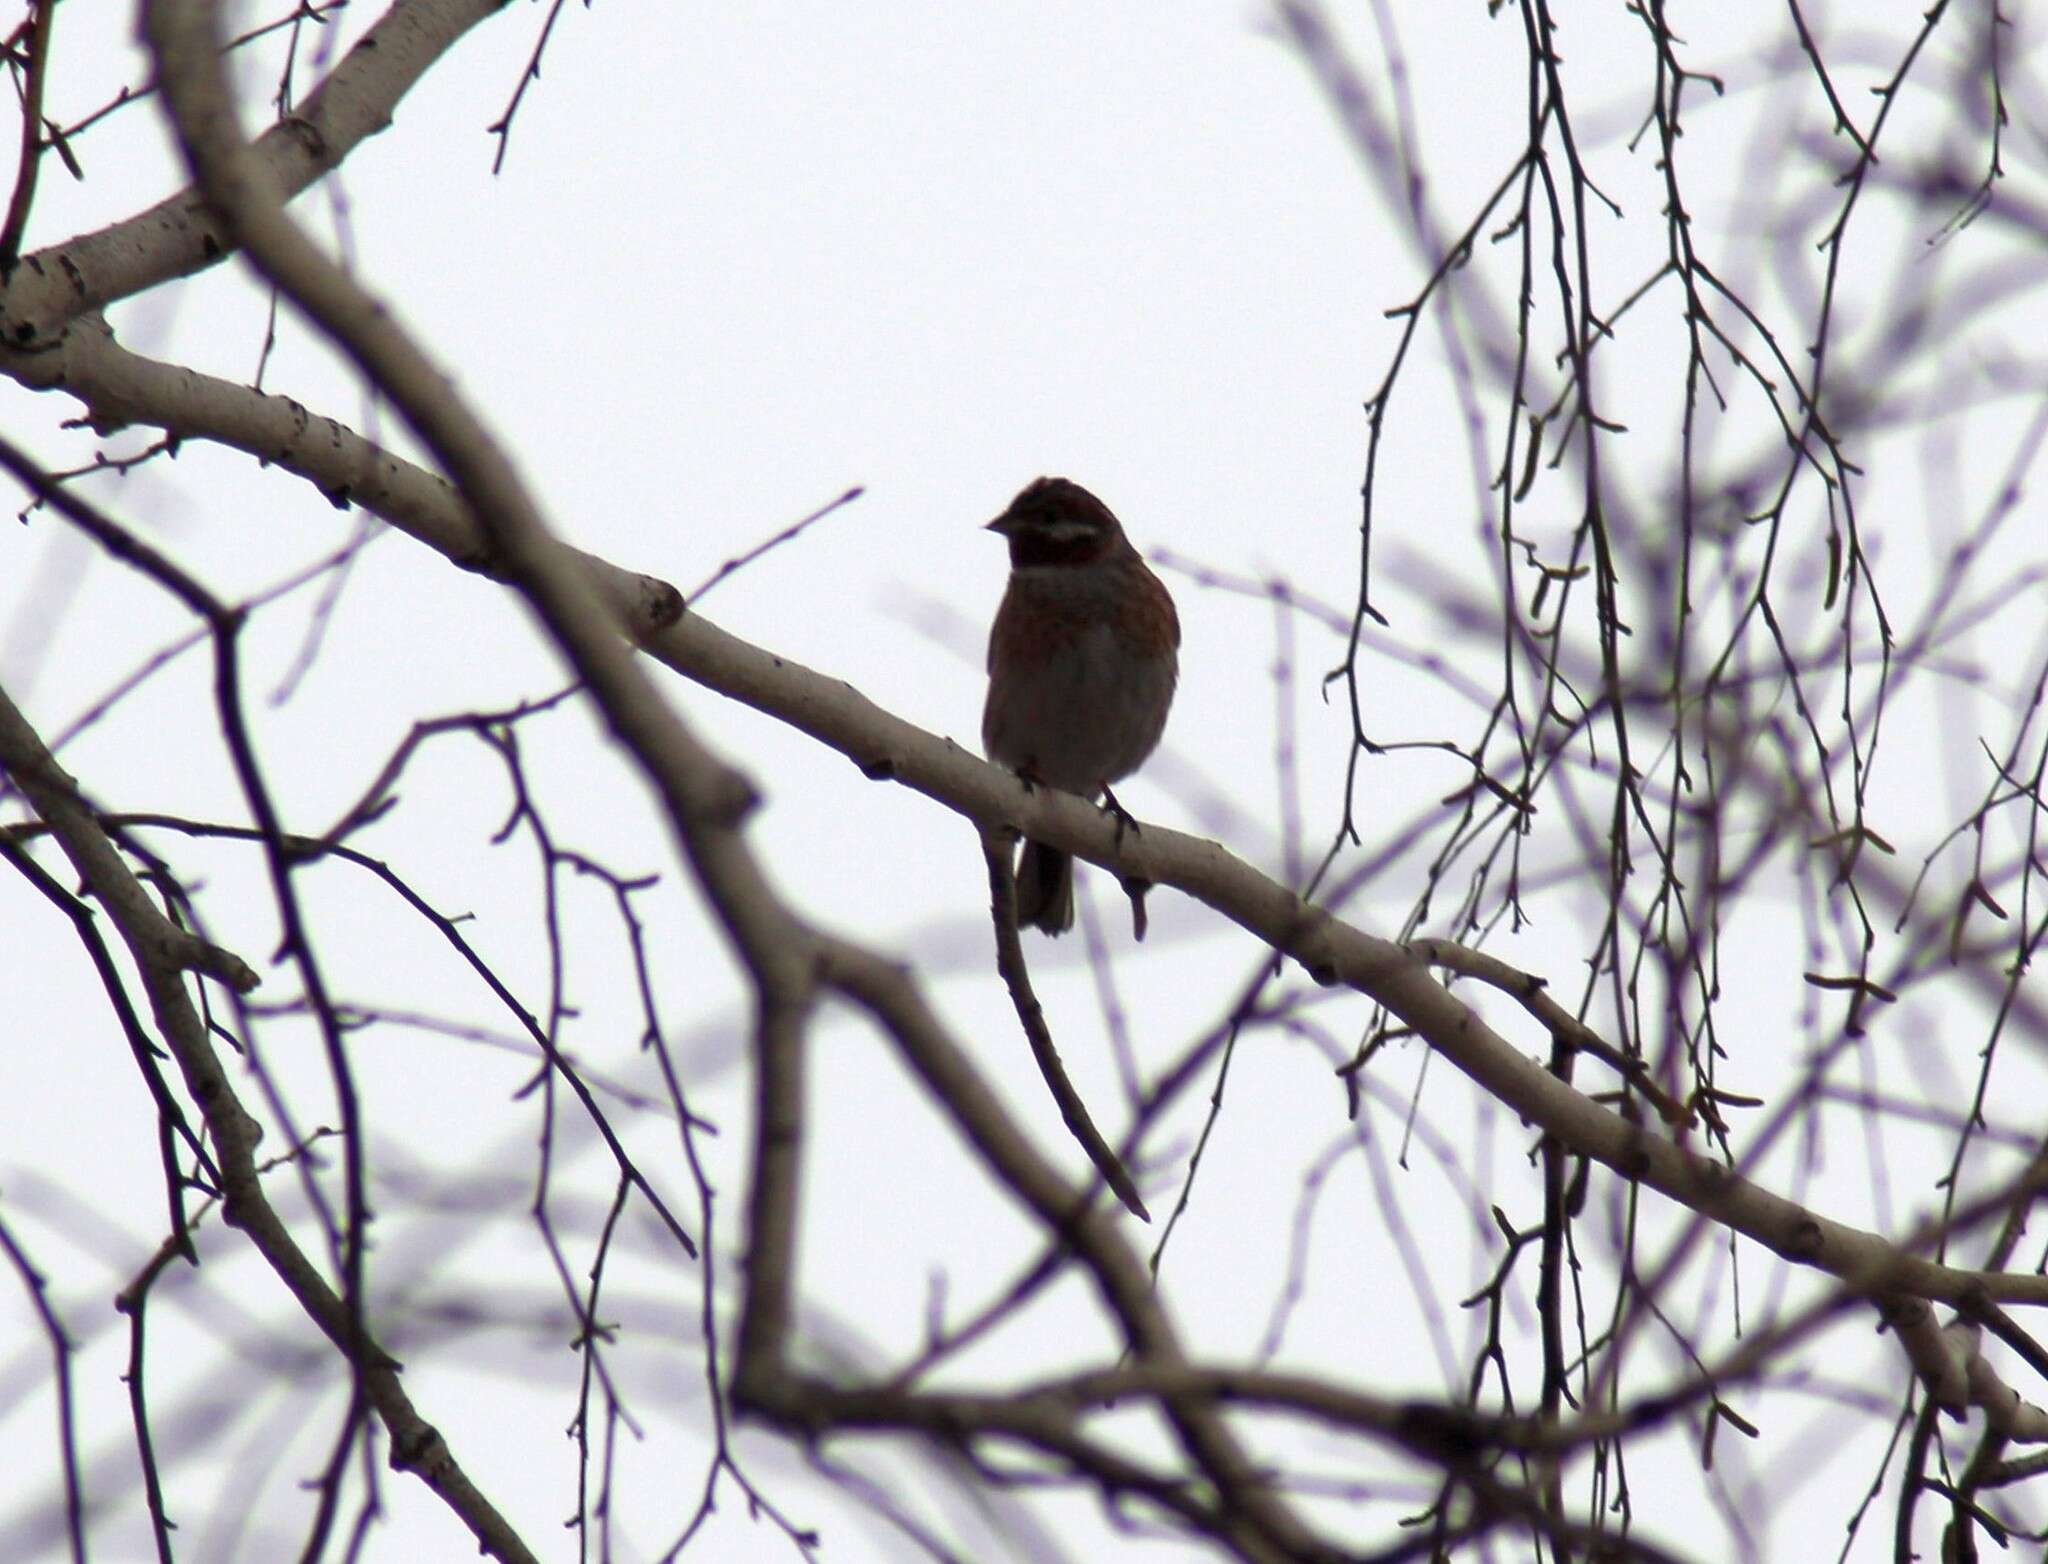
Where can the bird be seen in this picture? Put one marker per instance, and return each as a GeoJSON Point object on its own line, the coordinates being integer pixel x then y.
{"type": "Point", "coordinates": [1082, 660]}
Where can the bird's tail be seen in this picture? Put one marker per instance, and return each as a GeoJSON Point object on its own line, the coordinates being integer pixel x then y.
{"type": "Point", "coordinates": [1045, 889]}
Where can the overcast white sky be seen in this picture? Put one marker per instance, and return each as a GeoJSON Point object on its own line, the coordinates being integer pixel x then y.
{"type": "Point", "coordinates": [736, 263]}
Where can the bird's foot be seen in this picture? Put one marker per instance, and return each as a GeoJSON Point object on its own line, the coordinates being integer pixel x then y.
{"type": "Point", "coordinates": [1125, 820]}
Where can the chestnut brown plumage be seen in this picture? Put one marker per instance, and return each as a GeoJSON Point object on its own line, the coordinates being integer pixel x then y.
{"type": "Point", "coordinates": [1082, 660]}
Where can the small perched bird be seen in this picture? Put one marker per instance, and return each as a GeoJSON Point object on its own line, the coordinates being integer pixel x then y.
{"type": "Point", "coordinates": [1081, 665]}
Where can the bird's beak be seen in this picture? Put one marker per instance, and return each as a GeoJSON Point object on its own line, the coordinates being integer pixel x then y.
{"type": "Point", "coordinates": [1003, 525]}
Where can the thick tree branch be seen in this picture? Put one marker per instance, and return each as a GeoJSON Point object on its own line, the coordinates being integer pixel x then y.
{"type": "Point", "coordinates": [120, 389]}
{"type": "Point", "coordinates": [178, 236]}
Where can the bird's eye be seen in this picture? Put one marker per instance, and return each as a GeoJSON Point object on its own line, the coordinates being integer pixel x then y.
{"type": "Point", "coordinates": [1067, 529]}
